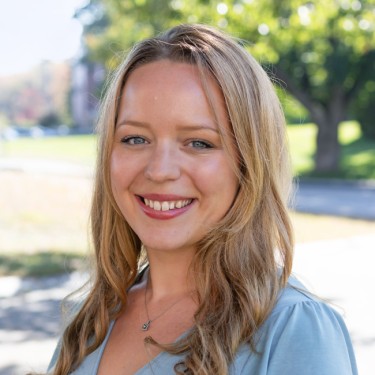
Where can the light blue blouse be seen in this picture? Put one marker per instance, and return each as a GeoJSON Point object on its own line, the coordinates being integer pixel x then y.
{"type": "Point", "coordinates": [301, 336]}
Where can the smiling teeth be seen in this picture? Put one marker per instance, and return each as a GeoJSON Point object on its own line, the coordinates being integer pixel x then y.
{"type": "Point", "coordinates": [166, 206]}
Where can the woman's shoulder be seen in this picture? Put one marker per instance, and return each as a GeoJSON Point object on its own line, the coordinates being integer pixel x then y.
{"type": "Point", "coordinates": [302, 335]}
{"type": "Point", "coordinates": [295, 295]}
{"type": "Point", "coordinates": [303, 316]}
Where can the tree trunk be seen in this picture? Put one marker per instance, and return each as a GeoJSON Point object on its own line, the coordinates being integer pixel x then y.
{"type": "Point", "coordinates": [327, 157]}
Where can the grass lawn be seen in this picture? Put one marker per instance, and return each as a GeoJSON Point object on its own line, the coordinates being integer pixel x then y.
{"type": "Point", "coordinates": [77, 148]}
{"type": "Point", "coordinates": [43, 223]}
{"type": "Point", "coordinates": [39, 264]}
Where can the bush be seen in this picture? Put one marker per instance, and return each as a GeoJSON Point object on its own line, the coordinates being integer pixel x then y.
{"type": "Point", "coordinates": [50, 120]}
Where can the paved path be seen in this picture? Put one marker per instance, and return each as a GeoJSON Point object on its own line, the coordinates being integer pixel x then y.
{"type": "Point", "coordinates": [338, 198]}
{"type": "Point", "coordinates": [33, 165]}
{"type": "Point", "coordinates": [30, 320]}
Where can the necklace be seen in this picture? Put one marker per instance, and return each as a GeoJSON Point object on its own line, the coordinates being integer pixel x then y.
{"type": "Point", "coordinates": [146, 325]}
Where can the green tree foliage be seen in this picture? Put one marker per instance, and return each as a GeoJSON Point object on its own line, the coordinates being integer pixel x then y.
{"type": "Point", "coordinates": [111, 27]}
{"type": "Point", "coordinates": [321, 51]}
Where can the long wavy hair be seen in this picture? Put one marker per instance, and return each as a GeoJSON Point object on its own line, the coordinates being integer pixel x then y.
{"type": "Point", "coordinates": [241, 265]}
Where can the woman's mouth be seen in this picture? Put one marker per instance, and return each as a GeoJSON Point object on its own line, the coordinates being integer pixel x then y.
{"type": "Point", "coordinates": [166, 205]}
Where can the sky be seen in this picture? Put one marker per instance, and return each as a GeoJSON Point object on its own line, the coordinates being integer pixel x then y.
{"type": "Point", "coordinates": [35, 30]}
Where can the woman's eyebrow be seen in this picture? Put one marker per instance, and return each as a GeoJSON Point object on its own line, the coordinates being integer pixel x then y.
{"type": "Point", "coordinates": [185, 127]}
{"type": "Point", "coordinates": [133, 123]}
{"type": "Point", "coordinates": [197, 127]}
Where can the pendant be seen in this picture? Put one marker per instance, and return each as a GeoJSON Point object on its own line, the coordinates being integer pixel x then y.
{"type": "Point", "coordinates": [146, 326]}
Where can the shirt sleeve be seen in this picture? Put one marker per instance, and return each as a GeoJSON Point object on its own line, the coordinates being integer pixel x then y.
{"type": "Point", "coordinates": [308, 338]}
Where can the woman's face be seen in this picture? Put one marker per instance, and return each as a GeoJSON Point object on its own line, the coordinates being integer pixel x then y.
{"type": "Point", "coordinates": [170, 175]}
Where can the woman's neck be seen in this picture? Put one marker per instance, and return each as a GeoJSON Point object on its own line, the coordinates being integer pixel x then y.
{"type": "Point", "coordinates": [168, 274]}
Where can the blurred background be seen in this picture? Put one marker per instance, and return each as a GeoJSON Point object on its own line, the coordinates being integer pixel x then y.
{"type": "Point", "coordinates": [54, 61]}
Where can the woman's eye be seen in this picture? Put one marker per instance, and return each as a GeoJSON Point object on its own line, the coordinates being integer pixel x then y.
{"type": "Point", "coordinates": [133, 140]}
{"type": "Point", "coordinates": [200, 144]}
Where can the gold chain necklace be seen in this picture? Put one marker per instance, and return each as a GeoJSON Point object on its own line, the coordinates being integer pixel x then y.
{"type": "Point", "coordinates": [146, 325]}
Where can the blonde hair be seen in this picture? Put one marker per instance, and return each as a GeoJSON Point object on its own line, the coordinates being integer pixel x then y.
{"type": "Point", "coordinates": [242, 264]}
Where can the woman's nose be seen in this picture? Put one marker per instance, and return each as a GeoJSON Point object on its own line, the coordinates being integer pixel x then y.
{"type": "Point", "coordinates": [163, 164]}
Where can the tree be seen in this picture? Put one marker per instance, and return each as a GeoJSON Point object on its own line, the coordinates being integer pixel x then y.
{"type": "Point", "coordinates": [26, 97]}
{"type": "Point", "coordinates": [321, 51]}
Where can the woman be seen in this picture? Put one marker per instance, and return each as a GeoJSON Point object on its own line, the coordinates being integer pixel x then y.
{"type": "Point", "coordinates": [192, 238]}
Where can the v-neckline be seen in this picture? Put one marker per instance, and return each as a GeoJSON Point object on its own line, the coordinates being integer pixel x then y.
{"type": "Point", "coordinates": [144, 367]}
{"type": "Point", "coordinates": [112, 324]}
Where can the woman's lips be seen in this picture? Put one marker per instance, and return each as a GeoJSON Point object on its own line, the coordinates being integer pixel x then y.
{"type": "Point", "coordinates": [163, 206]}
